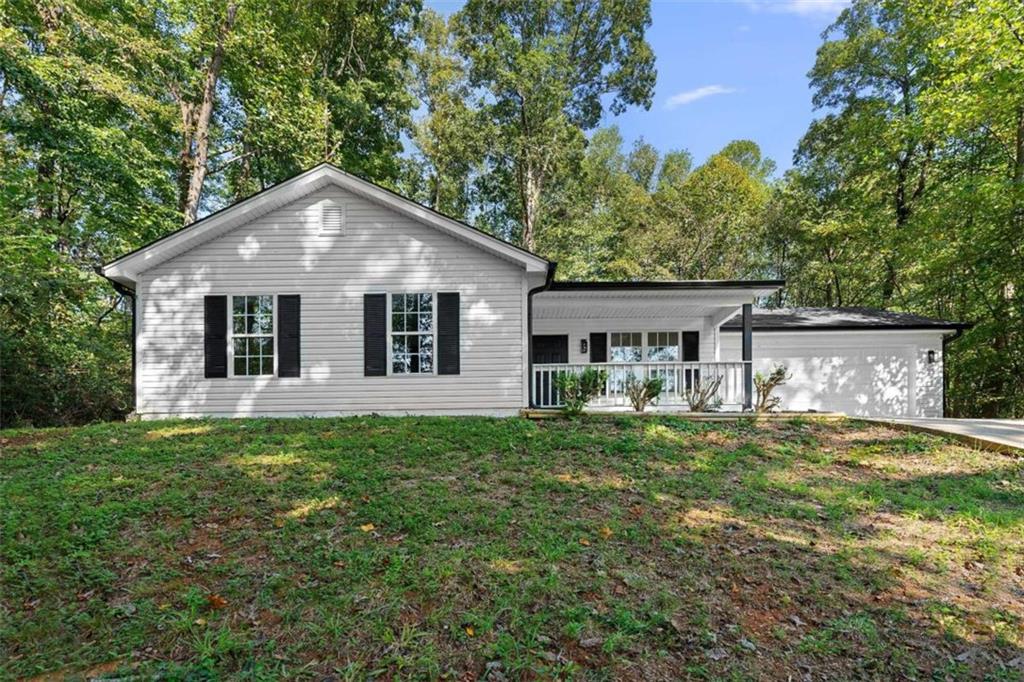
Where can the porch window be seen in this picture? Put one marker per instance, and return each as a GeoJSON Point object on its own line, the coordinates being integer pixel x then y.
{"type": "Point", "coordinates": [412, 333]}
{"type": "Point", "coordinates": [627, 347]}
{"type": "Point", "coordinates": [663, 346]}
{"type": "Point", "coordinates": [252, 335]}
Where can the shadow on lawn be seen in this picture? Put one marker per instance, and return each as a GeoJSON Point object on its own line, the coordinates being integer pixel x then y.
{"type": "Point", "coordinates": [422, 547]}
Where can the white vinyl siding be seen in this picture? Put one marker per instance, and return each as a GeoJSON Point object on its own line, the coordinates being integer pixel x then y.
{"type": "Point", "coordinates": [862, 373]}
{"type": "Point", "coordinates": [286, 251]}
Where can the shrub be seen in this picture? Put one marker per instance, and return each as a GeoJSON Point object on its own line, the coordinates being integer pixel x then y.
{"type": "Point", "coordinates": [643, 392]}
{"type": "Point", "coordinates": [764, 385]}
{"type": "Point", "coordinates": [702, 395]}
{"type": "Point", "coordinates": [578, 389]}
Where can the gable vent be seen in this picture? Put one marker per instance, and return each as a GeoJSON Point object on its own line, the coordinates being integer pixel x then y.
{"type": "Point", "coordinates": [332, 219]}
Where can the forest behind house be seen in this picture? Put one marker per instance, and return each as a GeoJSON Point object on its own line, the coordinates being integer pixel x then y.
{"type": "Point", "coordinates": [123, 120]}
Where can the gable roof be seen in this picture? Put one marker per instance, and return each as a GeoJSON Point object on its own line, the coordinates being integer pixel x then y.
{"type": "Point", "coordinates": [126, 268]}
{"type": "Point", "coordinates": [838, 319]}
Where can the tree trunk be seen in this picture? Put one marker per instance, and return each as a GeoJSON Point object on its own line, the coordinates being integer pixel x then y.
{"type": "Point", "coordinates": [196, 120]}
{"type": "Point", "coordinates": [1018, 164]}
{"type": "Point", "coordinates": [531, 190]}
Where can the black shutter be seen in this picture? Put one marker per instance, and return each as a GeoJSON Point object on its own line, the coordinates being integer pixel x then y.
{"type": "Point", "coordinates": [288, 314]}
{"type": "Point", "coordinates": [448, 333]}
{"type": "Point", "coordinates": [691, 346]}
{"type": "Point", "coordinates": [215, 336]}
{"type": "Point", "coordinates": [375, 335]}
{"type": "Point", "coordinates": [598, 347]}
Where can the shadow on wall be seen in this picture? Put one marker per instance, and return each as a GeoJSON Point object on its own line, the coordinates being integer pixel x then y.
{"type": "Point", "coordinates": [862, 384]}
{"type": "Point", "coordinates": [336, 269]}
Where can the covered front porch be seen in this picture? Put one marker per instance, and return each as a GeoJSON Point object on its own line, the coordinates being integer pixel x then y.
{"type": "Point", "coordinates": [668, 330]}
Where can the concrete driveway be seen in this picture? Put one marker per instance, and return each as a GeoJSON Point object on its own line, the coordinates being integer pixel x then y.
{"type": "Point", "coordinates": [1006, 435]}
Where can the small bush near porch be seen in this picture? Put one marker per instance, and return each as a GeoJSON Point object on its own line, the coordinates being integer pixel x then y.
{"type": "Point", "coordinates": [637, 549]}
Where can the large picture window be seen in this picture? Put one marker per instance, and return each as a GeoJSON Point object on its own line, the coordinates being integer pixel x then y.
{"type": "Point", "coordinates": [663, 346]}
{"type": "Point", "coordinates": [252, 335]}
{"type": "Point", "coordinates": [627, 347]}
{"type": "Point", "coordinates": [412, 333]}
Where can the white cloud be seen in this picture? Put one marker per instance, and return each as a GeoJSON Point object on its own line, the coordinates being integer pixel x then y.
{"type": "Point", "coordinates": [679, 99]}
{"type": "Point", "coordinates": [800, 7]}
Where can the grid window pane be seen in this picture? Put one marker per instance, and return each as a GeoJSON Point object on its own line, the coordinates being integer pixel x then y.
{"type": "Point", "coordinates": [252, 330]}
{"type": "Point", "coordinates": [626, 346]}
{"type": "Point", "coordinates": [663, 346]}
{"type": "Point", "coordinates": [412, 339]}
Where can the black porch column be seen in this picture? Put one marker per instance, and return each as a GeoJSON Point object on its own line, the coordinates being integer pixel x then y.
{"type": "Point", "coordinates": [748, 356]}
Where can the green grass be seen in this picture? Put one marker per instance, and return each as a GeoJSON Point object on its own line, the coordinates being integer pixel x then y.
{"type": "Point", "coordinates": [429, 548]}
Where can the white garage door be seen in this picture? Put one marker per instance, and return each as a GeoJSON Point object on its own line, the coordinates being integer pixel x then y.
{"type": "Point", "coordinates": [865, 373]}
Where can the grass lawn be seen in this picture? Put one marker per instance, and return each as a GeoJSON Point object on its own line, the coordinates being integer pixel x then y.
{"type": "Point", "coordinates": [472, 548]}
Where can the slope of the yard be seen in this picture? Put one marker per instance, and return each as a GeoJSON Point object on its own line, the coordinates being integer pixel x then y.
{"type": "Point", "coordinates": [466, 548]}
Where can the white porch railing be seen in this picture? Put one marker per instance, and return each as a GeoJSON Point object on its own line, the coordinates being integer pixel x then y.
{"type": "Point", "coordinates": [676, 378]}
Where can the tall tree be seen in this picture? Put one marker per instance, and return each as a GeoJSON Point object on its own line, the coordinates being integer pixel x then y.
{"type": "Point", "coordinates": [869, 74]}
{"type": "Point", "coordinates": [546, 68]}
{"type": "Point", "coordinates": [908, 193]}
{"type": "Point", "coordinates": [708, 225]}
{"type": "Point", "coordinates": [450, 137]}
{"type": "Point", "coordinates": [195, 91]}
{"type": "Point", "coordinates": [84, 173]}
{"type": "Point", "coordinates": [268, 88]}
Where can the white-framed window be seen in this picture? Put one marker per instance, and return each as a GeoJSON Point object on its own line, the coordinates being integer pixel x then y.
{"type": "Point", "coordinates": [412, 333]}
{"type": "Point", "coordinates": [626, 347]}
{"type": "Point", "coordinates": [252, 335]}
{"type": "Point", "coordinates": [663, 346]}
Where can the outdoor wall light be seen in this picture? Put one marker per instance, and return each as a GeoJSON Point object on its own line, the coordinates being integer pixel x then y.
{"type": "Point", "coordinates": [583, 346]}
{"type": "Point", "coordinates": [931, 357]}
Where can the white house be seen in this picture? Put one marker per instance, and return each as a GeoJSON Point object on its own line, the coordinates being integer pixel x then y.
{"type": "Point", "coordinates": [329, 295]}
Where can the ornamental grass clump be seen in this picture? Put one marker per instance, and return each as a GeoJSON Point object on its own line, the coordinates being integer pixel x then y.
{"type": "Point", "coordinates": [701, 395]}
{"type": "Point", "coordinates": [765, 385]}
{"type": "Point", "coordinates": [578, 388]}
{"type": "Point", "coordinates": [643, 392]}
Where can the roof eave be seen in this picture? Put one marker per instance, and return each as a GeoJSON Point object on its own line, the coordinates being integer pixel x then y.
{"type": "Point", "coordinates": [953, 326]}
{"type": "Point", "coordinates": [680, 285]}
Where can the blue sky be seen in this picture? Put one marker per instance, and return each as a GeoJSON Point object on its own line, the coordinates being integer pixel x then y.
{"type": "Point", "coordinates": [727, 69]}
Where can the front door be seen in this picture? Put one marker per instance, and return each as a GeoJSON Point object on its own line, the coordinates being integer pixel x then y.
{"type": "Point", "coordinates": [550, 349]}
{"type": "Point", "coordinates": [547, 350]}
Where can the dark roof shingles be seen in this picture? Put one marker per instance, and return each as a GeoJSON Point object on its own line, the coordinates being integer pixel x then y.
{"type": "Point", "coordinates": [839, 318]}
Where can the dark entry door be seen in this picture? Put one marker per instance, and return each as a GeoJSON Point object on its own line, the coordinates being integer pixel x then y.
{"type": "Point", "coordinates": [550, 349]}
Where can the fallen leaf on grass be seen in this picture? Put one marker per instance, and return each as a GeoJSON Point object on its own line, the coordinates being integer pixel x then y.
{"type": "Point", "coordinates": [199, 621]}
{"type": "Point", "coordinates": [585, 542]}
{"type": "Point", "coordinates": [470, 631]}
{"type": "Point", "coordinates": [606, 532]}
{"type": "Point", "coordinates": [367, 527]}
{"type": "Point", "coordinates": [216, 601]}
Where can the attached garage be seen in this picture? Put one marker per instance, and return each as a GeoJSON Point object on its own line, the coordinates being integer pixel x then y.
{"type": "Point", "coordinates": [858, 361]}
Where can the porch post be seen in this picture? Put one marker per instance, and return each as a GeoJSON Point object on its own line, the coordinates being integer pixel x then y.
{"type": "Point", "coordinates": [748, 356]}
